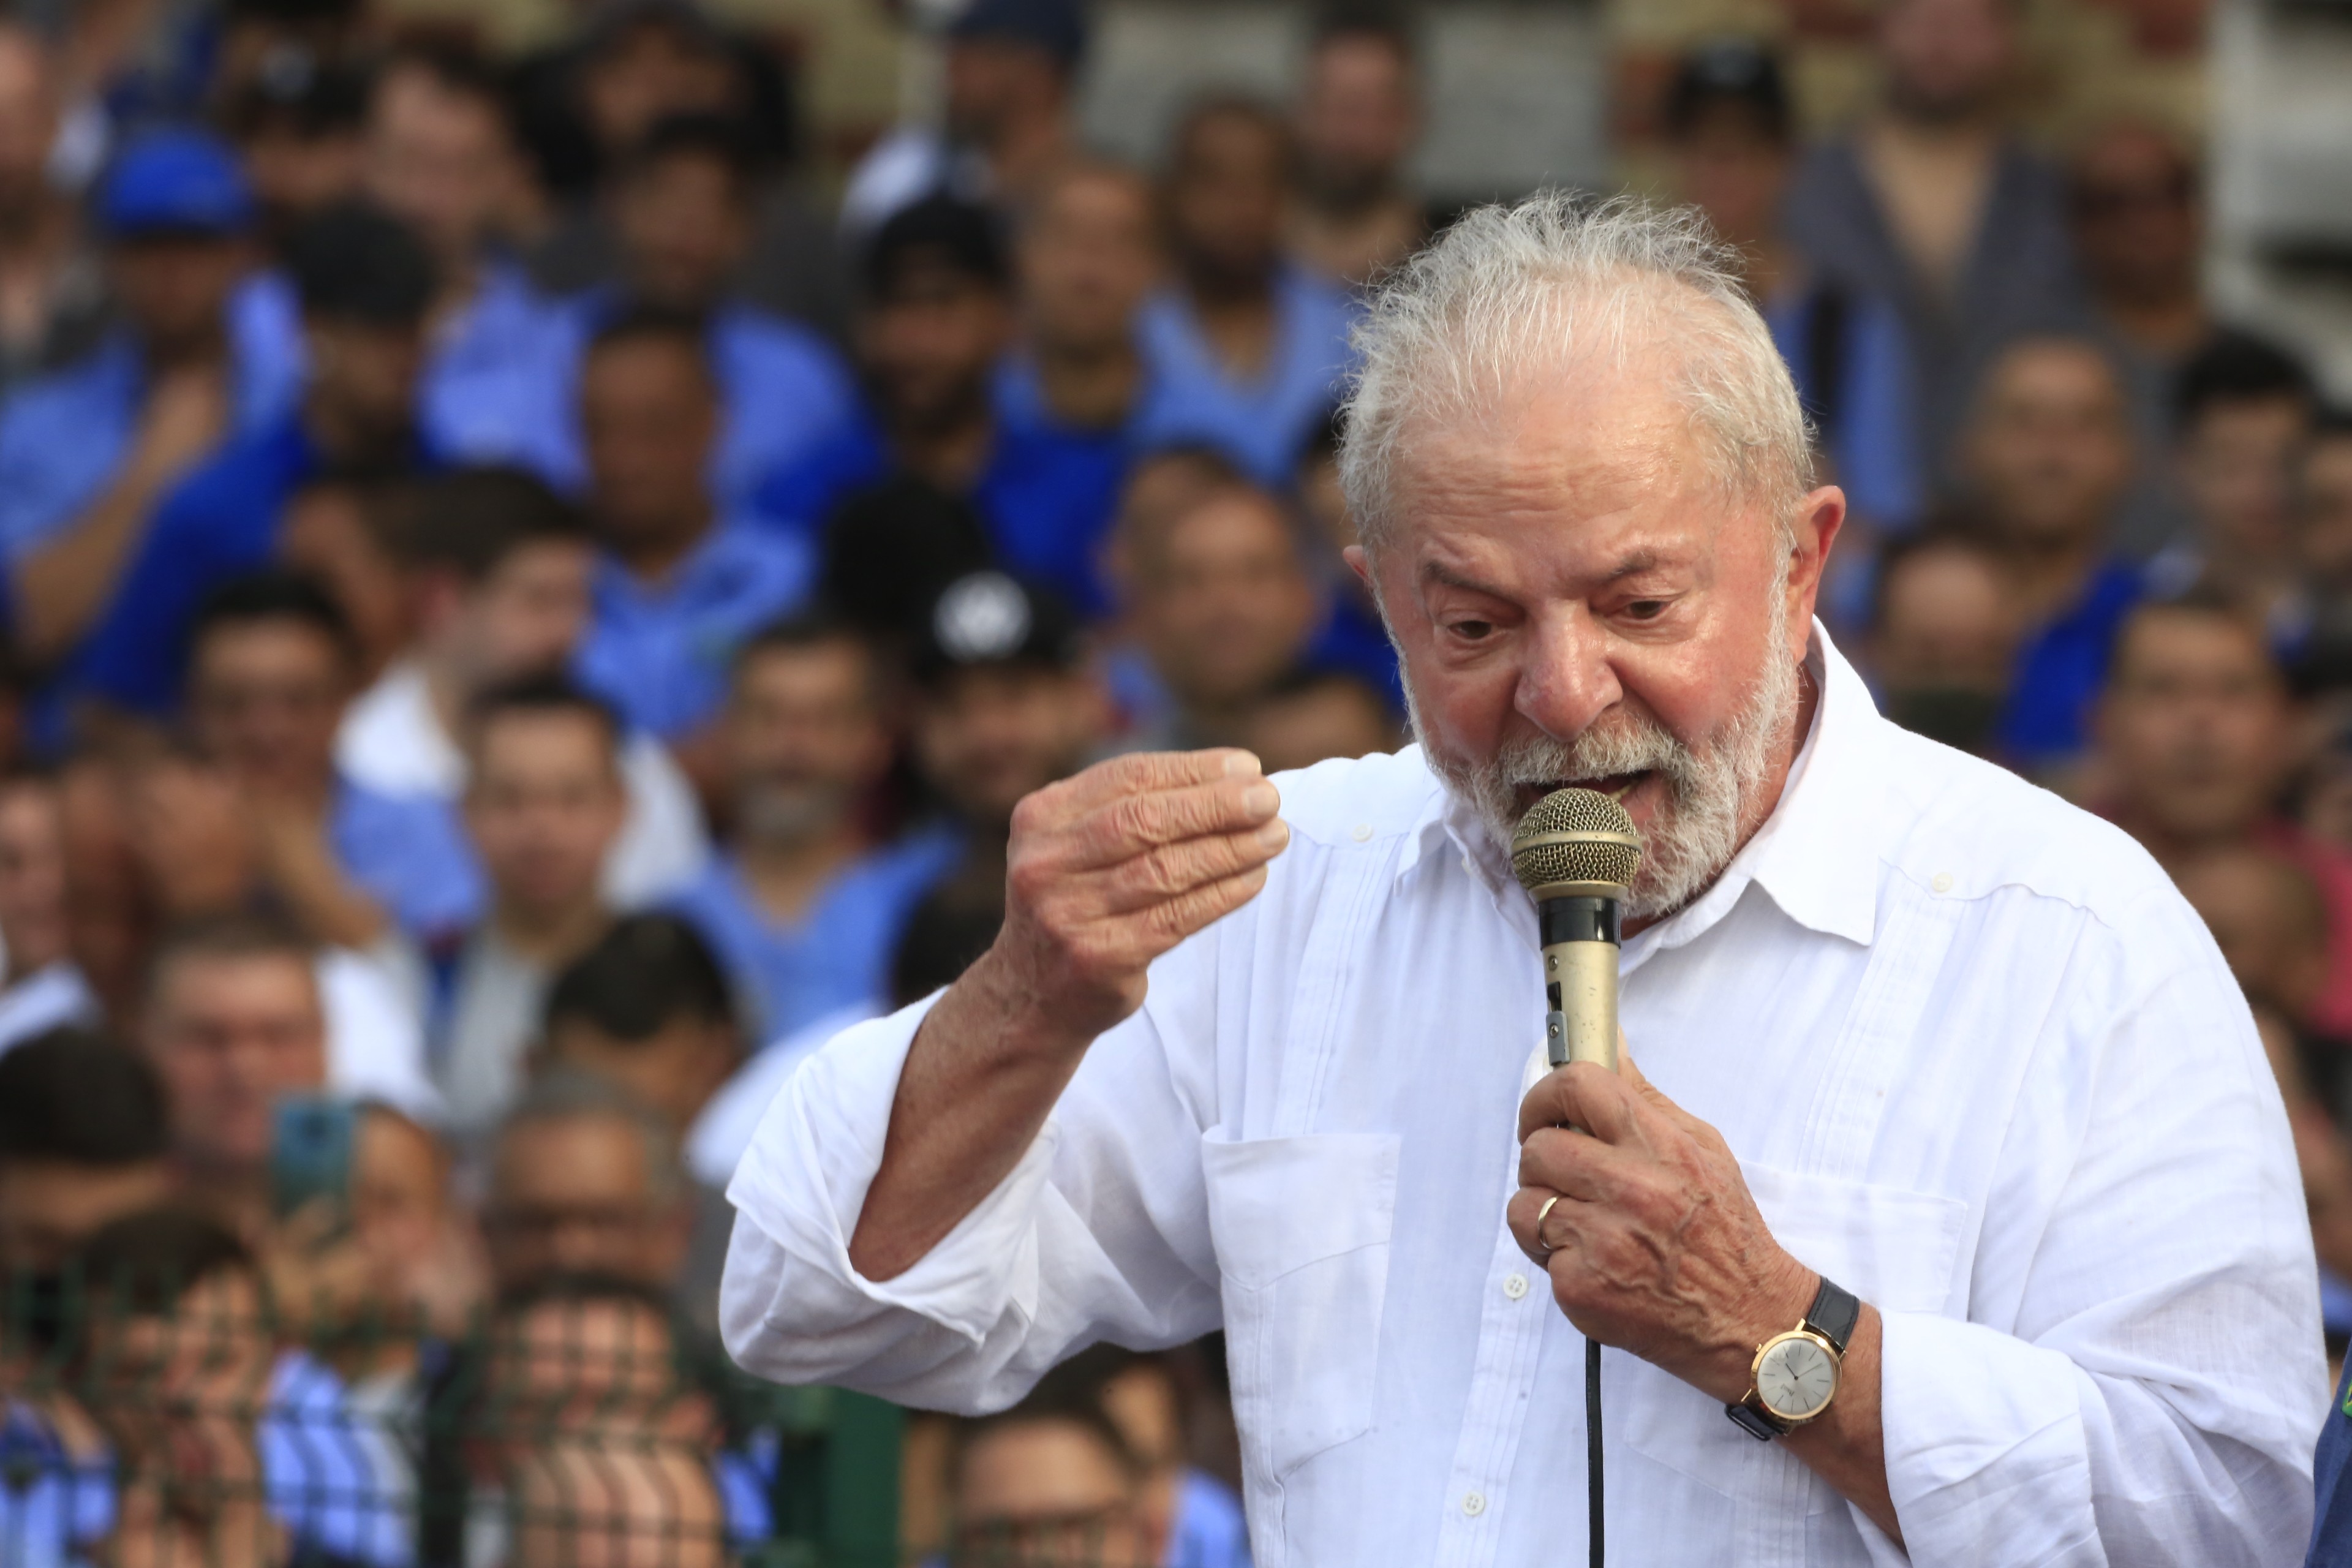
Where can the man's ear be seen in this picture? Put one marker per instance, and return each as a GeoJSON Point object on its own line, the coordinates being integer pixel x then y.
{"type": "Point", "coordinates": [1359, 564]}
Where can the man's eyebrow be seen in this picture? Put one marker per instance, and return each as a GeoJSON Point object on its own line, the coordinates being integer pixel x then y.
{"type": "Point", "coordinates": [1438, 572]}
{"type": "Point", "coordinates": [1633, 566]}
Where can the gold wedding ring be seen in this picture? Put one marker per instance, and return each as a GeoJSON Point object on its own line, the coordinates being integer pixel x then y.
{"type": "Point", "coordinates": [1542, 1215]}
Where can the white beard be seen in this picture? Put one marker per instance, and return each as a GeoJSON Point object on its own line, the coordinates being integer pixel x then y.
{"type": "Point", "coordinates": [1708, 791]}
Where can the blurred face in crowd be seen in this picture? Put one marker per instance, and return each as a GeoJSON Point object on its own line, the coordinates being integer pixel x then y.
{"type": "Point", "coordinates": [2139, 223]}
{"type": "Point", "coordinates": [176, 1393]}
{"type": "Point", "coordinates": [650, 414]}
{"type": "Point", "coordinates": [986, 735]}
{"type": "Point", "coordinates": [1577, 600]}
{"type": "Point", "coordinates": [1223, 602]}
{"type": "Point", "coordinates": [440, 158]}
{"type": "Point", "coordinates": [328, 535]}
{"type": "Point", "coordinates": [2194, 729]}
{"type": "Point", "coordinates": [2236, 461]}
{"type": "Point", "coordinates": [576, 1195]}
{"type": "Point", "coordinates": [927, 345]}
{"type": "Point", "coordinates": [601, 1440]}
{"type": "Point", "coordinates": [173, 288]}
{"type": "Point", "coordinates": [543, 805]}
{"type": "Point", "coordinates": [650, 69]}
{"type": "Point", "coordinates": [685, 224]}
{"type": "Point", "coordinates": [297, 169]}
{"type": "Point", "coordinates": [1089, 254]}
{"type": "Point", "coordinates": [1731, 165]}
{"type": "Point", "coordinates": [363, 383]}
{"type": "Point", "coordinates": [230, 1035]}
{"type": "Point", "coordinates": [994, 83]}
{"type": "Point", "coordinates": [2323, 509]}
{"type": "Point", "coordinates": [2268, 919]}
{"type": "Point", "coordinates": [1338, 716]}
{"type": "Point", "coordinates": [49, 1207]}
{"type": "Point", "coordinates": [673, 1071]}
{"type": "Point", "coordinates": [1359, 116]}
{"type": "Point", "coordinates": [525, 617]}
{"type": "Point", "coordinates": [399, 1193]}
{"type": "Point", "coordinates": [1048, 1492]}
{"type": "Point", "coordinates": [1946, 60]}
{"type": "Point", "coordinates": [1945, 643]}
{"type": "Point", "coordinates": [2048, 446]}
{"type": "Point", "coordinates": [263, 699]}
{"type": "Point", "coordinates": [28, 122]}
{"type": "Point", "coordinates": [1227, 195]}
{"type": "Point", "coordinates": [32, 875]}
{"type": "Point", "coordinates": [805, 738]}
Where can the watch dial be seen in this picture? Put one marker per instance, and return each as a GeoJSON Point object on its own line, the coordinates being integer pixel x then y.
{"type": "Point", "coordinates": [1796, 1379]}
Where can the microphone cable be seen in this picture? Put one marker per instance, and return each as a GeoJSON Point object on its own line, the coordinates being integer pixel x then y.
{"type": "Point", "coordinates": [1592, 1451]}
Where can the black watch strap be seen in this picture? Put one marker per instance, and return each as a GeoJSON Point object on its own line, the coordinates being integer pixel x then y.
{"type": "Point", "coordinates": [1833, 1313]}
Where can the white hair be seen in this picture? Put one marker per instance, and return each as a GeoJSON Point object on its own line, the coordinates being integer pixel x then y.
{"type": "Point", "coordinates": [1511, 291]}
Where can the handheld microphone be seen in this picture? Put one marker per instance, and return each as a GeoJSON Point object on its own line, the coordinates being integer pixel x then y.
{"type": "Point", "coordinates": [1576, 852]}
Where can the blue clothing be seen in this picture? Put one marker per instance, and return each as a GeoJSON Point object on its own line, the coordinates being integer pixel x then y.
{"type": "Point", "coordinates": [1209, 1531]}
{"type": "Point", "coordinates": [54, 1506]}
{"type": "Point", "coordinates": [785, 392]}
{"type": "Point", "coordinates": [659, 652]}
{"type": "Point", "coordinates": [411, 854]}
{"type": "Point", "coordinates": [326, 1471]}
{"type": "Point", "coordinates": [1262, 427]}
{"type": "Point", "coordinates": [2061, 668]}
{"type": "Point", "coordinates": [219, 523]}
{"type": "Point", "coordinates": [839, 954]}
{"type": "Point", "coordinates": [64, 437]}
{"type": "Point", "coordinates": [2331, 1526]}
{"type": "Point", "coordinates": [1871, 428]}
{"type": "Point", "coordinates": [1353, 641]}
{"type": "Point", "coordinates": [497, 386]}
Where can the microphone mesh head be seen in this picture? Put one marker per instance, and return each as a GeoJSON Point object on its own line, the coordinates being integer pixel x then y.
{"type": "Point", "coordinates": [1575, 836]}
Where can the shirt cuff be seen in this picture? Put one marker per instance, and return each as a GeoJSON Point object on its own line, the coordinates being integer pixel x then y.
{"type": "Point", "coordinates": [1983, 1437]}
{"type": "Point", "coordinates": [805, 1178]}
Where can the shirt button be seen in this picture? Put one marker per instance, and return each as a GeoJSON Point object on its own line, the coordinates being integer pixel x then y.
{"type": "Point", "coordinates": [1516, 1286]}
{"type": "Point", "coordinates": [1473, 1503]}
{"type": "Point", "coordinates": [1363, 832]}
{"type": "Point", "coordinates": [1942, 883]}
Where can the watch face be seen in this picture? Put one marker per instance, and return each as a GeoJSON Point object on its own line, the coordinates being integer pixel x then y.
{"type": "Point", "coordinates": [1795, 1378]}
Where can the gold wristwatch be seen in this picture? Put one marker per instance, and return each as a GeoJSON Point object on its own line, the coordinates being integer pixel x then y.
{"type": "Point", "coordinates": [1795, 1375]}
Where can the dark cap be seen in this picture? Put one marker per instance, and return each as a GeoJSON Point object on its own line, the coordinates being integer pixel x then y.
{"type": "Point", "coordinates": [962, 236]}
{"type": "Point", "coordinates": [174, 182]}
{"type": "Point", "coordinates": [356, 262]}
{"type": "Point", "coordinates": [1728, 72]}
{"type": "Point", "coordinates": [1057, 27]}
{"type": "Point", "coordinates": [988, 618]}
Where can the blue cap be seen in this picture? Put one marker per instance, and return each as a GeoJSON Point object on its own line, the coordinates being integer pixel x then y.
{"type": "Point", "coordinates": [175, 182]}
{"type": "Point", "coordinates": [1057, 27]}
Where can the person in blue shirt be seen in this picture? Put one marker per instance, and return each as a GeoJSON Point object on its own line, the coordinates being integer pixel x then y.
{"type": "Point", "coordinates": [271, 664]}
{"type": "Point", "coordinates": [2047, 457]}
{"type": "Point", "coordinates": [365, 283]}
{"type": "Point", "coordinates": [936, 320]}
{"type": "Point", "coordinates": [684, 208]}
{"type": "Point", "coordinates": [681, 584]}
{"type": "Point", "coordinates": [804, 907]}
{"type": "Point", "coordinates": [85, 450]}
{"type": "Point", "coordinates": [2331, 1525]}
{"type": "Point", "coordinates": [1253, 348]}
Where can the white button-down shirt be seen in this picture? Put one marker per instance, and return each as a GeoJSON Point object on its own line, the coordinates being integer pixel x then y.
{"type": "Point", "coordinates": [1980, 1063]}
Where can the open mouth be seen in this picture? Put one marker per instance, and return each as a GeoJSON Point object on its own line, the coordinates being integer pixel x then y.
{"type": "Point", "coordinates": [1616, 786]}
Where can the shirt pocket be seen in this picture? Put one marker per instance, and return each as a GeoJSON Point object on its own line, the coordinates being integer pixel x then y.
{"type": "Point", "coordinates": [1894, 1248]}
{"type": "Point", "coordinates": [1301, 1228]}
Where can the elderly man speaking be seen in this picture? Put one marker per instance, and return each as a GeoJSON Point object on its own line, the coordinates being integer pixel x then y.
{"type": "Point", "coordinates": [1929, 1061]}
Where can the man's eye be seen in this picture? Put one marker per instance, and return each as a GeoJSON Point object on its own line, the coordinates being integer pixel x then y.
{"type": "Point", "coordinates": [1472, 631]}
{"type": "Point", "coordinates": [1646, 609]}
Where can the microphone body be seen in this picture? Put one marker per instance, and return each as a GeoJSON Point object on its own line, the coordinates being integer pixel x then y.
{"type": "Point", "coordinates": [1576, 852]}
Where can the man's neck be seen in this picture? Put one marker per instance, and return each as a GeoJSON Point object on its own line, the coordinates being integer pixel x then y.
{"type": "Point", "coordinates": [651, 557]}
{"type": "Point", "coordinates": [786, 876]}
{"type": "Point", "coordinates": [2049, 576]}
{"type": "Point", "coordinates": [33, 232]}
{"type": "Point", "coordinates": [448, 691]}
{"type": "Point", "coordinates": [1092, 385]}
{"type": "Point", "coordinates": [2167, 328]}
{"type": "Point", "coordinates": [1024, 148]}
{"type": "Point", "coordinates": [344, 440]}
{"type": "Point", "coordinates": [950, 451]}
{"type": "Point", "coordinates": [552, 937]}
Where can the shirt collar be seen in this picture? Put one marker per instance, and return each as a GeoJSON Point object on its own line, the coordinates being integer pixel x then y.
{"type": "Point", "coordinates": [1816, 856]}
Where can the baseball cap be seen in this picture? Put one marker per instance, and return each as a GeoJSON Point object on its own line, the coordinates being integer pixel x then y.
{"type": "Point", "coordinates": [960, 235]}
{"type": "Point", "coordinates": [1737, 72]}
{"type": "Point", "coordinates": [1057, 27]}
{"type": "Point", "coordinates": [174, 182]}
{"type": "Point", "coordinates": [356, 262]}
{"type": "Point", "coordinates": [993, 618]}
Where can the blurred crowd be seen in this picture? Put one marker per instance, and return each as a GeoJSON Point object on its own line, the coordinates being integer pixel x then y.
{"type": "Point", "coordinates": [522, 620]}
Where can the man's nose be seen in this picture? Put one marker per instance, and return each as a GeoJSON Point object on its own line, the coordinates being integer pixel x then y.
{"type": "Point", "coordinates": [1568, 680]}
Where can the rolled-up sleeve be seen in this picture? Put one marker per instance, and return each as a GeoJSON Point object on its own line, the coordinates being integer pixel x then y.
{"type": "Point", "coordinates": [2140, 1378]}
{"type": "Point", "coordinates": [1098, 1232]}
